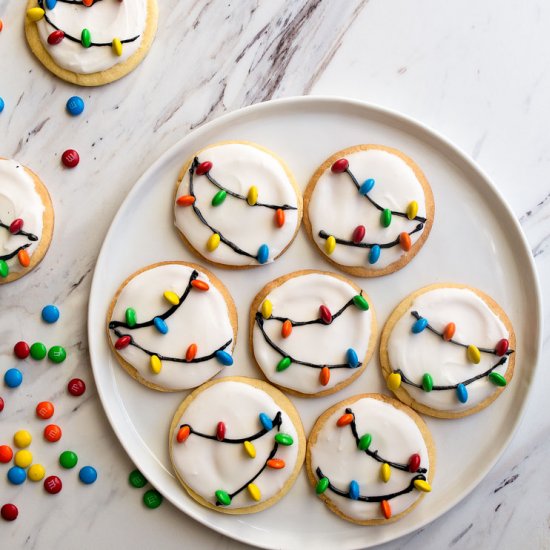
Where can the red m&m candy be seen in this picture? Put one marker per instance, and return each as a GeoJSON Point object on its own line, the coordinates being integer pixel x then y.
{"type": "Point", "coordinates": [6, 454]}
{"type": "Point", "coordinates": [44, 410]}
{"type": "Point", "coordinates": [21, 350]}
{"type": "Point", "coordinates": [76, 387]}
{"type": "Point", "coordinates": [70, 158]}
{"type": "Point", "coordinates": [1, 404]}
{"type": "Point", "coordinates": [341, 165]}
{"type": "Point", "coordinates": [53, 485]}
{"type": "Point", "coordinates": [9, 512]}
{"type": "Point", "coordinates": [52, 432]}
{"type": "Point", "coordinates": [16, 226]}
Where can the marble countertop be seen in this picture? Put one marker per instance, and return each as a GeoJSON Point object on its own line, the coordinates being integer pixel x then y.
{"type": "Point", "coordinates": [477, 72]}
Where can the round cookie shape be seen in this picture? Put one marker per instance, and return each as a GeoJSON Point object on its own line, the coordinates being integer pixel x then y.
{"type": "Point", "coordinates": [369, 209]}
{"type": "Point", "coordinates": [172, 326]}
{"type": "Point", "coordinates": [26, 220]}
{"type": "Point", "coordinates": [371, 459]}
{"type": "Point", "coordinates": [311, 332]}
{"type": "Point", "coordinates": [237, 205]}
{"type": "Point", "coordinates": [90, 43]}
{"type": "Point", "coordinates": [237, 445]}
{"type": "Point", "coordinates": [447, 350]}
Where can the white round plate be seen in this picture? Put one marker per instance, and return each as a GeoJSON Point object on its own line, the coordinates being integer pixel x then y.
{"type": "Point", "coordinates": [475, 240]}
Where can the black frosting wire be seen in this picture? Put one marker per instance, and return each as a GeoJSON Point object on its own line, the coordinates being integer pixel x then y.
{"type": "Point", "coordinates": [30, 237]}
{"type": "Point", "coordinates": [72, 38]}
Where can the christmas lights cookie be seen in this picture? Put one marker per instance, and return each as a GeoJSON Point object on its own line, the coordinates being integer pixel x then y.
{"type": "Point", "coordinates": [447, 350]}
{"type": "Point", "coordinates": [371, 459]}
{"type": "Point", "coordinates": [237, 445]}
{"type": "Point", "coordinates": [237, 205]}
{"type": "Point", "coordinates": [172, 326]}
{"type": "Point", "coordinates": [90, 42]}
{"type": "Point", "coordinates": [26, 220]}
{"type": "Point", "coordinates": [369, 209]}
{"type": "Point", "coordinates": [312, 333]}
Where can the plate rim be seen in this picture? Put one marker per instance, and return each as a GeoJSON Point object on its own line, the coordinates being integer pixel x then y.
{"type": "Point", "coordinates": [382, 113]}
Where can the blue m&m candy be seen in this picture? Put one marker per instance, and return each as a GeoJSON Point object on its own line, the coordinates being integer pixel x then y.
{"type": "Point", "coordinates": [13, 378]}
{"type": "Point", "coordinates": [1, 104]}
{"type": "Point", "coordinates": [87, 475]}
{"type": "Point", "coordinates": [50, 314]}
{"type": "Point", "coordinates": [16, 475]}
{"type": "Point", "coordinates": [75, 105]}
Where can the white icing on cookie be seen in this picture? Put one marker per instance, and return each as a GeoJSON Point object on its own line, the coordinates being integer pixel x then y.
{"type": "Point", "coordinates": [299, 299]}
{"type": "Point", "coordinates": [238, 167]}
{"type": "Point", "coordinates": [18, 199]}
{"type": "Point", "coordinates": [202, 319]}
{"type": "Point", "coordinates": [337, 207]}
{"type": "Point", "coordinates": [395, 436]}
{"type": "Point", "coordinates": [106, 20]}
{"type": "Point", "coordinates": [417, 354]}
{"type": "Point", "coordinates": [207, 466]}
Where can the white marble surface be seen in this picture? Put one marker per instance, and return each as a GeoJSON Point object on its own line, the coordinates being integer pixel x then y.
{"type": "Point", "coordinates": [475, 71]}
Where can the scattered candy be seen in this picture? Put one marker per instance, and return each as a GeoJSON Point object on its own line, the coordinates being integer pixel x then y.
{"type": "Point", "coordinates": [152, 499]}
{"type": "Point", "coordinates": [322, 485]}
{"type": "Point", "coordinates": [53, 485]}
{"type": "Point", "coordinates": [263, 254]}
{"type": "Point", "coordinates": [219, 197]}
{"type": "Point", "coordinates": [137, 479]}
{"type": "Point", "coordinates": [117, 47]}
{"type": "Point", "coordinates": [220, 431]}
{"type": "Point", "coordinates": [449, 331]}
{"type": "Point", "coordinates": [16, 475]}
{"type": "Point", "coordinates": [38, 351]}
{"type": "Point", "coordinates": [473, 354]}
{"type": "Point", "coordinates": [252, 197]}
{"type": "Point", "coordinates": [52, 433]}
{"type": "Point", "coordinates": [185, 200]}
{"type": "Point", "coordinates": [385, 472]}
{"type": "Point", "coordinates": [341, 165]}
{"type": "Point", "coordinates": [283, 364]}
{"type": "Point", "coordinates": [267, 309]}
{"type": "Point", "coordinates": [131, 317]}
{"type": "Point", "coordinates": [405, 241]}
{"type": "Point", "coordinates": [121, 343]}
{"type": "Point", "coordinates": [13, 378]}
{"type": "Point", "coordinates": [266, 421]}
{"type": "Point", "coordinates": [414, 462]}
{"type": "Point", "coordinates": [422, 485]}
{"type": "Point", "coordinates": [364, 442]}
{"type": "Point", "coordinates": [1, 404]}
{"type": "Point", "coordinates": [324, 376]}
{"type": "Point", "coordinates": [2, 104]}
{"type": "Point", "coordinates": [385, 217]}
{"type": "Point", "coordinates": [344, 420]}
{"type": "Point", "coordinates": [250, 449]}
{"type": "Point", "coordinates": [223, 497]}
{"type": "Point", "coordinates": [276, 463]}
{"type": "Point", "coordinates": [23, 458]}
{"type": "Point", "coordinates": [57, 354]}
{"type": "Point", "coordinates": [50, 313]}
{"type": "Point", "coordinates": [171, 297]}
{"type": "Point", "coordinates": [366, 186]}
{"type": "Point", "coordinates": [279, 217]}
{"type": "Point", "coordinates": [160, 325]}
{"type": "Point", "coordinates": [419, 325]}
{"type": "Point", "coordinates": [358, 234]}
{"type": "Point", "coordinates": [56, 37]}
{"type": "Point", "coordinates": [326, 315]}
{"type": "Point", "coordinates": [374, 254]}
{"type": "Point", "coordinates": [21, 350]}
{"type": "Point", "coordinates": [360, 302]}
{"type": "Point", "coordinates": [197, 284]}
{"type": "Point", "coordinates": [330, 245]}
{"type": "Point", "coordinates": [36, 472]}
{"type": "Point", "coordinates": [351, 358]}
{"type": "Point", "coordinates": [254, 492]}
{"type": "Point", "coordinates": [353, 490]}
{"type": "Point", "coordinates": [286, 329]}
{"type": "Point", "coordinates": [412, 210]}
{"type": "Point", "coordinates": [213, 242]}
{"type": "Point", "coordinates": [9, 512]}
{"type": "Point", "coordinates": [22, 439]}
{"type": "Point", "coordinates": [1, 25]}
{"type": "Point", "coordinates": [75, 105]}
{"type": "Point", "coordinates": [86, 38]}
{"type": "Point", "coordinates": [385, 509]}
{"type": "Point", "coordinates": [191, 352]}
{"type": "Point", "coordinates": [183, 433]}
{"type": "Point", "coordinates": [88, 475]}
{"type": "Point", "coordinates": [6, 454]}
{"type": "Point", "coordinates": [497, 379]}
{"type": "Point", "coordinates": [284, 439]}
{"type": "Point", "coordinates": [462, 393]}
{"type": "Point", "coordinates": [502, 347]}
{"type": "Point", "coordinates": [76, 387]}
{"type": "Point", "coordinates": [203, 168]}
{"type": "Point", "coordinates": [155, 364]}
{"type": "Point", "coordinates": [68, 459]}
{"type": "Point", "coordinates": [224, 358]}
{"type": "Point", "coordinates": [427, 382]}
{"type": "Point", "coordinates": [394, 381]}
{"type": "Point", "coordinates": [16, 226]}
{"type": "Point", "coordinates": [70, 158]}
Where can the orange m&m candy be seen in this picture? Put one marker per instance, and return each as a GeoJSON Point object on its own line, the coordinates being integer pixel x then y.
{"type": "Point", "coordinates": [44, 410]}
{"type": "Point", "coordinates": [52, 432]}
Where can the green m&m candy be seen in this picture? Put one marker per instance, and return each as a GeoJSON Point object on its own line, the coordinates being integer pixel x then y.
{"type": "Point", "coordinates": [68, 459]}
{"type": "Point", "coordinates": [57, 354]}
{"type": "Point", "coordinates": [152, 499]}
{"type": "Point", "coordinates": [137, 479]}
{"type": "Point", "coordinates": [38, 351]}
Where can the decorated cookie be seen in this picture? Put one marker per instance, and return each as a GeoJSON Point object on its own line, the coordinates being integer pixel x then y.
{"type": "Point", "coordinates": [369, 209]}
{"type": "Point", "coordinates": [371, 459]}
{"type": "Point", "coordinates": [26, 220]}
{"type": "Point", "coordinates": [237, 445]}
{"type": "Point", "coordinates": [172, 326]}
{"type": "Point", "coordinates": [312, 333]}
{"type": "Point", "coordinates": [447, 350]}
{"type": "Point", "coordinates": [90, 42]}
{"type": "Point", "coordinates": [237, 205]}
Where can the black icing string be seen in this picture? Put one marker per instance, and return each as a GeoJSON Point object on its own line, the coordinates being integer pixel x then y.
{"type": "Point", "coordinates": [78, 40]}
{"type": "Point", "coordinates": [30, 237]}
